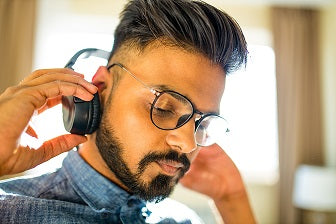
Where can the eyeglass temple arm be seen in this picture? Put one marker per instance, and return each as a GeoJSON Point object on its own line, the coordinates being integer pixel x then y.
{"type": "Point", "coordinates": [87, 52]}
{"type": "Point", "coordinates": [136, 78]}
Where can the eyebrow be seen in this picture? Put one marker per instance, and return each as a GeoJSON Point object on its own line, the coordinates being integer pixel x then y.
{"type": "Point", "coordinates": [163, 88]}
{"type": "Point", "coordinates": [169, 88]}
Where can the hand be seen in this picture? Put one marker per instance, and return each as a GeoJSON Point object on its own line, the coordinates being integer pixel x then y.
{"type": "Point", "coordinates": [214, 174]}
{"type": "Point", "coordinates": [41, 90]}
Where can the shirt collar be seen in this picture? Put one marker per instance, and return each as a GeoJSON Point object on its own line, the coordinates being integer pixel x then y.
{"type": "Point", "coordinates": [97, 191]}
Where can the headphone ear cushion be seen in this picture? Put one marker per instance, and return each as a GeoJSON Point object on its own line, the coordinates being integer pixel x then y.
{"type": "Point", "coordinates": [81, 117]}
{"type": "Point", "coordinates": [95, 114]}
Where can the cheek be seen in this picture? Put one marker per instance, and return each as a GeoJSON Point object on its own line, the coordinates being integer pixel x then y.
{"type": "Point", "coordinates": [132, 126]}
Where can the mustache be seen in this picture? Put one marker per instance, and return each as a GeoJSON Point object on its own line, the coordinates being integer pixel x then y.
{"type": "Point", "coordinates": [171, 155]}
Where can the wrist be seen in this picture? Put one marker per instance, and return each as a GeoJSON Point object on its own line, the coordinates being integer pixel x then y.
{"type": "Point", "coordinates": [235, 208]}
{"type": "Point", "coordinates": [231, 197]}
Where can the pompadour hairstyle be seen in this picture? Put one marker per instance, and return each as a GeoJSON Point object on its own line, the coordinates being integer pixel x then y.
{"type": "Point", "coordinates": [189, 24]}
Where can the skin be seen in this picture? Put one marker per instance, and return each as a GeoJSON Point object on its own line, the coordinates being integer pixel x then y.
{"type": "Point", "coordinates": [39, 91]}
{"type": "Point", "coordinates": [212, 172]}
{"type": "Point", "coordinates": [194, 76]}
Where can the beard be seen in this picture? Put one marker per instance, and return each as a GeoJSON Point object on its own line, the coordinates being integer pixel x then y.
{"type": "Point", "coordinates": [156, 189]}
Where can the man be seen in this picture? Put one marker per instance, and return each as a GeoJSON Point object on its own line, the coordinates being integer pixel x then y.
{"type": "Point", "coordinates": [159, 95]}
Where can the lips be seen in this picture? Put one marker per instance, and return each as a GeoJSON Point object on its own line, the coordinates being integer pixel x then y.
{"type": "Point", "coordinates": [170, 167]}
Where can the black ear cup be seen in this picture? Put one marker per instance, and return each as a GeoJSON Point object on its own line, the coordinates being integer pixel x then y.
{"type": "Point", "coordinates": [81, 117]}
{"type": "Point", "coordinates": [95, 114]}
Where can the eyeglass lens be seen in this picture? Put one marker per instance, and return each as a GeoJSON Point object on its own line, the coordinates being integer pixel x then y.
{"type": "Point", "coordinates": [171, 110]}
{"type": "Point", "coordinates": [210, 129]}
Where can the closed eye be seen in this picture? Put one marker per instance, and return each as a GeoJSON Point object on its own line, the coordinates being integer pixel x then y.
{"type": "Point", "coordinates": [162, 112]}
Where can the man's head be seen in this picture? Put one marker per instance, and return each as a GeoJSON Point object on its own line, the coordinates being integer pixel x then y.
{"type": "Point", "coordinates": [194, 26]}
{"type": "Point", "coordinates": [183, 46]}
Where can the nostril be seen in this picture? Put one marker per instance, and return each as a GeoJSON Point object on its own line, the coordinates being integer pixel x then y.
{"type": "Point", "coordinates": [182, 139]}
{"type": "Point", "coordinates": [177, 147]}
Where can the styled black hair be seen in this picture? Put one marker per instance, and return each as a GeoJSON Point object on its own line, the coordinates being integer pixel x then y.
{"type": "Point", "coordinates": [189, 24]}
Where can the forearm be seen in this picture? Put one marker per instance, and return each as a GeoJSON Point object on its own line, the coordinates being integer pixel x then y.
{"type": "Point", "coordinates": [236, 209]}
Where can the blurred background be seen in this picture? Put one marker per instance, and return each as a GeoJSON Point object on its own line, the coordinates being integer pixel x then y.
{"type": "Point", "coordinates": [281, 108]}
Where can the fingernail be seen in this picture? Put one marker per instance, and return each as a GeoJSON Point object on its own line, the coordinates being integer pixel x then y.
{"type": "Point", "coordinates": [94, 88]}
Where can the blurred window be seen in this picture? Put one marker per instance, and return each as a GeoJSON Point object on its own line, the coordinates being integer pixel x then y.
{"type": "Point", "coordinates": [249, 105]}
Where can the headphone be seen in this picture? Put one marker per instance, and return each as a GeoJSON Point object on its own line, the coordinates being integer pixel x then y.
{"type": "Point", "coordinates": [79, 116]}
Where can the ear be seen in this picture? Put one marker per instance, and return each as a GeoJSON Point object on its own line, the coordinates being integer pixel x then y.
{"type": "Point", "coordinates": [102, 79]}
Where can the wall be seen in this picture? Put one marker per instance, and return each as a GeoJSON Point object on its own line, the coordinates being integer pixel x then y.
{"type": "Point", "coordinates": [328, 54]}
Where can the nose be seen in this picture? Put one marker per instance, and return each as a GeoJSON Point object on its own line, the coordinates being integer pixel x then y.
{"type": "Point", "coordinates": [183, 137]}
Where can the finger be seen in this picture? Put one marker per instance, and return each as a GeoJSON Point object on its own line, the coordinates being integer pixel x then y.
{"type": "Point", "coordinates": [186, 181]}
{"type": "Point", "coordinates": [24, 158]}
{"type": "Point", "coordinates": [213, 150]}
{"type": "Point", "coordinates": [50, 104]}
{"type": "Point", "coordinates": [56, 146]}
{"type": "Point", "coordinates": [30, 131]}
{"type": "Point", "coordinates": [189, 181]}
{"type": "Point", "coordinates": [41, 72]}
{"type": "Point", "coordinates": [71, 78]}
{"type": "Point", "coordinates": [56, 88]}
{"type": "Point", "coordinates": [37, 96]}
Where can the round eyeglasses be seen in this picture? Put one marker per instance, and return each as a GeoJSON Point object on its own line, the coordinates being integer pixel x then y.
{"type": "Point", "coordinates": [171, 110]}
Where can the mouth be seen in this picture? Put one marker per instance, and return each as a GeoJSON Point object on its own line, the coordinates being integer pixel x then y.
{"type": "Point", "coordinates": [169, 167]}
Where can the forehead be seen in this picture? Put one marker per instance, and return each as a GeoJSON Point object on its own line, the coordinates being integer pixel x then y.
{"type": "Point", "coordinates": [188, 73]}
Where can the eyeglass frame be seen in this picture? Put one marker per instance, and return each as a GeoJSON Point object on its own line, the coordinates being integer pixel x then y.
{"type": "Point", "coordinates": [158, 93]}
{"type": "Point", "coordinates": [87, 52]}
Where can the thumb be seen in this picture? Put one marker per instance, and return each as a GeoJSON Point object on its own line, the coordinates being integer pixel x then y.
{"type": "Point", "coordinates": [56, 146]}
